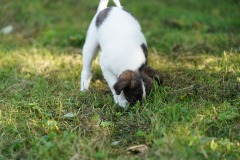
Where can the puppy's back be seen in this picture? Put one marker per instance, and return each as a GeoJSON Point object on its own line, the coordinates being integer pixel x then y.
{"type": "Point", "coordinates": [120, 39]}
{"type": "Point", "coordinates": [116, 21]}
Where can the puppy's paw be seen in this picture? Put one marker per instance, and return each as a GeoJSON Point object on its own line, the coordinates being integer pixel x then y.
{"type": "Point", "coordinates": [123, 104]}
{"type": "Point", "coordinates": [84, 85]}
{"type": "Point", "coordinates": [83, 89]}
{"type": "Point", "coordinates": [85, 80]}
{"type": "Point", "coordinates": [120, 99]}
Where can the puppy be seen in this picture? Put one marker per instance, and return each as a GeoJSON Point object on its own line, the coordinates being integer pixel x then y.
{"type": "Point", "coordinates": [123, 57]}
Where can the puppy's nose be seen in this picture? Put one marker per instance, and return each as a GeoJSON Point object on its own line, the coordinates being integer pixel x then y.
{"type": "Point", "coordinates": [132, 102]}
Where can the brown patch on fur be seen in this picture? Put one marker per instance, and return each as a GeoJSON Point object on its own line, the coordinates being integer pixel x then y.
{"type": "Point", "coordinates": [149, 74]}
{"type": "Point", "coordinates": [126, 79]}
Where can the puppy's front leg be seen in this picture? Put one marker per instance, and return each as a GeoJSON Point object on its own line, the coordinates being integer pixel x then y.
{"type": "Point", "coordinates": [111, 80]}
{"type": "Point", "coordinates": [119, 99]}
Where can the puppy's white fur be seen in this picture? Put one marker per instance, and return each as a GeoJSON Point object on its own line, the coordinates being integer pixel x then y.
{"type": "Point", "coordinates": [119, 37]}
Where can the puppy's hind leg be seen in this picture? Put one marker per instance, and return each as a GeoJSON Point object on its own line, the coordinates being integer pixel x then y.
{"type": "Point", "coordinates": [90, 49]}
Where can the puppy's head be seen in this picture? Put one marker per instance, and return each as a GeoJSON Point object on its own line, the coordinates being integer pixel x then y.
{"type": "Point", "coordinates": [135, 84]}
{"type": "Point", "coordinates": [132, 86]}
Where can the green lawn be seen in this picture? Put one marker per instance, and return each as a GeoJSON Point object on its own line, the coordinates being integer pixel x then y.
{"type": "Point", "coordinates": [194, 115]}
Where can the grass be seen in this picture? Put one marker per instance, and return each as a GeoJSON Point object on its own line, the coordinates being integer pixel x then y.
{"type": "Point", "coordinates": [194, 115]}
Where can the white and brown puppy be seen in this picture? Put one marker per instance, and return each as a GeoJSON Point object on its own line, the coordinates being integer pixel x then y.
{"type": "Point", "coordinates": [123, 54]}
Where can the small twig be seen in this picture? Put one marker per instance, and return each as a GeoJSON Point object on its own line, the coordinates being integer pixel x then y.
{"type": "Point", "coordinates": [183, 89]}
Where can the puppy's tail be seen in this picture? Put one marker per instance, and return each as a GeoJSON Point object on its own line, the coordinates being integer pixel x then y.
{"type": "Point", "coordinates": [104, 3]}
{"type": "Point", "coordinates": [117, 3]}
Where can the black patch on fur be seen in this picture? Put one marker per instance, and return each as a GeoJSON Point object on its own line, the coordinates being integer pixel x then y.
{"type": "Point", "coordinates": [148, 74]}
{"type": "Point", "coordinates": [141, 68]}
{"type": "Point", "coordinates": [102, 16]}
{"type": "Point", "coordinates": [144, 49]}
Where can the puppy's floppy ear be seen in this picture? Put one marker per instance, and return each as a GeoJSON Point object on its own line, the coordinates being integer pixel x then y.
{"type": "Point", "coordinates": [152, 73]}
{"type": "Point", "coordinates": [126, 79]}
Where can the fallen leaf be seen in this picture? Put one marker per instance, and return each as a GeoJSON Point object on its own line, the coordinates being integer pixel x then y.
{"type": "Point", "coordinates": [115, 143]}
{"type": "Point", "coordinates": [69, 115]}
{"type": "Point", "coordinates": [7, 30]}
{"type": "Point", "coordinates": [137, 149]}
